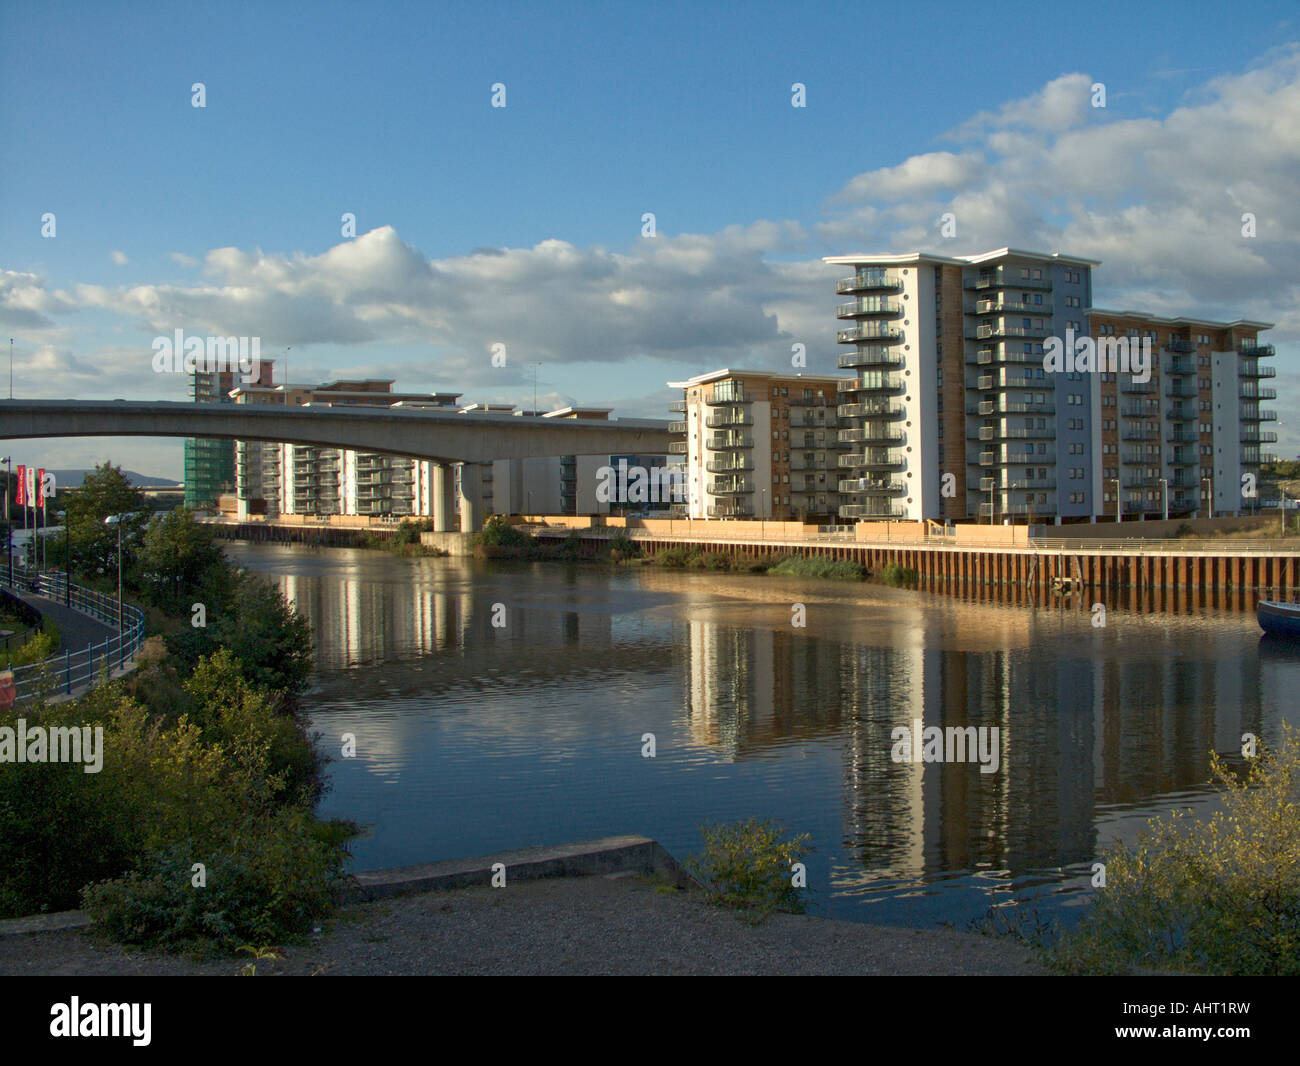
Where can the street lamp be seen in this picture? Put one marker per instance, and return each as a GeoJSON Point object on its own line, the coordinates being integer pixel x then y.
{"type": "Point", "coordinates": [116, 520]}
{"type": "Point", "coordinates": [1209, 497]}
{"type": "Point", "coordinates": [9, 529]}
{"type": "Point", "coordinates": [1164, 495]}
{"type": "Point", "coordinates": [1119, 503]}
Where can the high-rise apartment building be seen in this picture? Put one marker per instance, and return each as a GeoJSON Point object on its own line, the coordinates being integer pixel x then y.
{"type": "Point", "coordinates": [210, 464]}
{"type": "Point", "coordinates": [760, 445]}
{"type": "Point", "coordinates": [962, 411]}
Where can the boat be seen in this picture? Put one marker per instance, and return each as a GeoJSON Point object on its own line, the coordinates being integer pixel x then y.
{"type": "Point", "coordinates": [1278, 619]}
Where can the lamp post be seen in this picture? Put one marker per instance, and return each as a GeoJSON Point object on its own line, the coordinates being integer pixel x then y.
{"type": "Point", "coordinates": [1119, 503]}
{"type": "Point", "coordinates": [1164, 495]}
{"type": "Point", "coordinates": [9, 529]}
{"type": "Point", "coordinates": [116, 520]}
{"type": "Point", "coordinates": [1209, 497]}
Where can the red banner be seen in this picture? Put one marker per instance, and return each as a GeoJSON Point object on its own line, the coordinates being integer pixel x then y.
{"type": "Point", "coordinates": [40, 487]}
{"type": "Point", "coordinates": [22, 487]}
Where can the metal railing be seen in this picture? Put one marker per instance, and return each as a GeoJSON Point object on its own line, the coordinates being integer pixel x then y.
{"type": "Point", "coordinates": [70, 671]}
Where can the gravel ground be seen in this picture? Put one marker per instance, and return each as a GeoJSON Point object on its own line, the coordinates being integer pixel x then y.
{"type": "Point", "coordinates": [620, 924]}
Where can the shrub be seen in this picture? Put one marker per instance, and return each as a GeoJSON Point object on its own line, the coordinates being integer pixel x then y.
{"type": "Point", "coordinates": [713, 561]}
{"type": "Point", "coordinates": [621, 546]}
{"type": "Point", "coordinates": [747, 866]}
{"type": "Point", "coordinates": [41, 646]}
{"type": "Point", "coordinates": [269, 883]}
{"type": "Point", "coordinates": [674, 557]}
{"type": "Point", "coordinates": [897, 576]}
{"type": "Point", "coordinates": [816, 566]}
{"type": "Point", "coordinates": [1220, 897]}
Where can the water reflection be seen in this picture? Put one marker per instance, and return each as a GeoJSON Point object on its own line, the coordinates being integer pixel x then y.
{"type": "Point", "coordinates": [499, 707]}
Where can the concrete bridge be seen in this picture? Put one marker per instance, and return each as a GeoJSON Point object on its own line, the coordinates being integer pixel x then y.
{"type": "Point", "coordinates": [441, 437]}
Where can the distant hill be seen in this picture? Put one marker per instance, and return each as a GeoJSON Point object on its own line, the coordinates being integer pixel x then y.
{"type": "Point", "coordinates": [71, 479]}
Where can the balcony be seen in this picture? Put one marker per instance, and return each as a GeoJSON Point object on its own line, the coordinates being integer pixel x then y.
{"type": "Point", "coordinates": [730, 487]}
{"type": "Point", "coordinates": [1138, 388]}
{"type": "Point", "coordinates": [876, 459]}
{"type": "Point", "coordinates": [731, 509]}
{"type": "Point", "coordinates": [871, 357]}
{"type": "Point", "coordinates": [999, 280]}
{"type": "Point", "coordinates": [1180, 367]}
{"type": "Point", "coordinates": [1179, 391]}
{"type": "Point", "coordinates": [1249, 436]}
{"type": "Point", "coordinates": [1139, 433]}
{"type": "Point", "coordinates": [1177, 344]}
{"type": "Point", "coordinates": [1003, 380]}
{"type": "Point", "coordinates": [1005, 406]}
{"type": "Point", "coordinates": [1006, 306]}
{"type": "Point", "coordinates": [719, 419]}
{"type": "Point", "coordinates": [678, 406]}
{"type": "Point", "coordinates": [870, 435]}
{"type": "Point", "coordinates": [870, 281]}
{"type": "Point", "coordinates": [1178, 414]}
{"type": "Point", "coordinates": [869, 486]}
{"type": "Point", "coordinates": [1140, 410]}
{"type": "Point", "coordinates": [870, 409]}
{"type": "Point", "coordinates": [993, 332]}
{"type": "Point", "coordinates": [677, 447]}
{"type": "Point", "coordinates": [869, 305]}
{"type": "Point", "coordinates": [876, 382]}
{"type": "Point", "coordinates": [869, 332]}
{"type": "Point", "coordinates": [1175, 436]}
{"type": "Point", "coordinates": [727, 441]}
{"type": "Point", "coordinates": [868, 510]}
{"type": "Point", "coordinates": [726, 397]}
{"type": "Point", "coordinates": [1259, 350]}
{"type": "Point", "coordinates": [676, 427]}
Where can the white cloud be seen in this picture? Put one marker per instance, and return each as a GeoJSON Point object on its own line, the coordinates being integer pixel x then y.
{"type": "Point", "coordinates": [120, 259]}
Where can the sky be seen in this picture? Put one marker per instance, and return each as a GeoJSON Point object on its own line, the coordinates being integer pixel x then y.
{"type": "Point", "coordinates": [524, 225]}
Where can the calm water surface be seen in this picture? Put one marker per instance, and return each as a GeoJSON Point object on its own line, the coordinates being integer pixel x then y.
{"type": "Point", "coordinates": [473, 738]}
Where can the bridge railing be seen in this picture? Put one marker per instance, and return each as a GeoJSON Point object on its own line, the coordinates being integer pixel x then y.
{"type": "Point", "coordinates": [71, 671]}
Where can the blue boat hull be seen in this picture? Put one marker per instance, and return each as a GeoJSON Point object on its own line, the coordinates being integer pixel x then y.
{"type": "Point", "coordinates": [1279, 619]}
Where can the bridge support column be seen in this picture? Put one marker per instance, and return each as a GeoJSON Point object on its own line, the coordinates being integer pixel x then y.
{"type": "Point", "coordinates": [471, 497]}
{"type": "Point", "coordinates": [444, 503]}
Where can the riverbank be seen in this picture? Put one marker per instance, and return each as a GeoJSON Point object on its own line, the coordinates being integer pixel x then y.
{"type": "Point", "coordinates": [621, 924]}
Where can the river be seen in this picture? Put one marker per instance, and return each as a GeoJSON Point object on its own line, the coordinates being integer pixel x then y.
{"type": "Point", "coordinates": [474, 737]}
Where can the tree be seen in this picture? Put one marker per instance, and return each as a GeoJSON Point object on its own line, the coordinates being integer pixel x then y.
{"type": "Point", "coordinates": [179, 557]}
{"type": "Point", "coordinates": [104, 492]}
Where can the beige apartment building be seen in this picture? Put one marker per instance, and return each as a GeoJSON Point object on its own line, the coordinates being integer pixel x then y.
{"type": "Point", "coordinates": [760, 445]}
{"type": "Point", "coordinates": [961, 416]}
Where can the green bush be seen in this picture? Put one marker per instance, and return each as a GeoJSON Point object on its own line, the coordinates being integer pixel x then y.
{"type": "Point", "coordinates": [713, 561]}
{"type": "Point", "coordinates": [621, 546]}
{"type": "Point", "coordinates": [1220, 897]}
{"type": "Point", "coordinates": [267, 884]}
{"type": "Point", "coordinates": [40, 647]}
{"type": "Point", "coordinates": [676, 558]}
{"type": "Point", "coordinates": [817, 566]}
{"type": "Point", "coordinates": [897, 576]}
{"type": "Point", "coordinates": [747, 866]}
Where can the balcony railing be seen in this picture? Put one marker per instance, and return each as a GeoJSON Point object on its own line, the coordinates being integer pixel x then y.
{"type": "Point", "coordinates": [869, 305]}
{"type": "Point", "coordinates": [731, 509]}
{"type": "Point", "coordinates": [867, 358]}
{"type": "Point", "coordinates": [870, 435]}
{"type": "Point", "coordinates": [730, 487]}
{"type": "Point", "coordinates": [870, 281]}
{"type": "Point", "coordinates": [869, 332]}
{"type": "Point", "coordinates": [724, 441]}
{"type": "Point", "coordinates": [1177, 344]}
{"type": "Point", "coordinates": [676, 427]}
{"type": "Point", "coordinates": [718, 419]}
{"type": "Point", "coordinates": [872, 487]}
{"type": "Point", "coordinates": [731, 465]}
{"type": "Point", "coordinates": [871, 410]}
{"type": "Point", "coordinates": [870, 510]}
{"type": "Point", "coordinates": [1262, 350]}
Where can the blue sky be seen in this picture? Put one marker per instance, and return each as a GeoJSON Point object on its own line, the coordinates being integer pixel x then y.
{"type": "Point", "coordinates": [522, 225]}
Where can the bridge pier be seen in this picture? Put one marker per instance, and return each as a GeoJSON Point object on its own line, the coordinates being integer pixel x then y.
{"type": "Point", "coordinates": [471, 497]}
{"type": "Point", "coordinates": [444, 503]}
